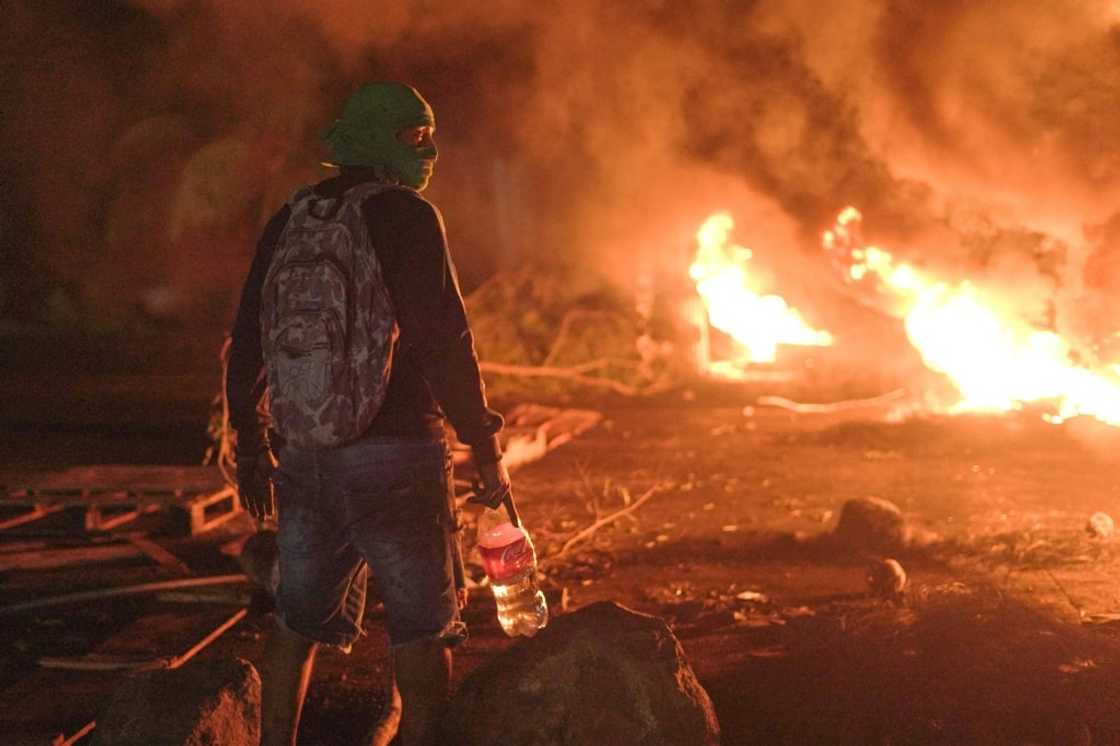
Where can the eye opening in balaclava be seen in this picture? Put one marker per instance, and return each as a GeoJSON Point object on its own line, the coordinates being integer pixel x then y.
{"type": "Point", "coordinates": [366, 133]}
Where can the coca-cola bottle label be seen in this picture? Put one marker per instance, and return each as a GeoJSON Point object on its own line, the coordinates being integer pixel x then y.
{"type": "Point", "coordinates": [508, 561]}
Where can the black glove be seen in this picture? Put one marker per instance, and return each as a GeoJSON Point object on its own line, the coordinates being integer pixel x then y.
{"type": "Point", "coordinates": [254, 481]}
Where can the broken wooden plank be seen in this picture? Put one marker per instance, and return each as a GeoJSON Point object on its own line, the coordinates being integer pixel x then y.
{"type": "Point", "coordinates": [94, 662]}
{"type": "Point", "coordinates": [34, 513]}
{"type": "Point", "coordinates": [206, 512]}
{"type": "Point", "coordinates": [129, 590]}
{"type": "Point", "coordinates": [101, 517]}
{"type": "Point", "coordinates": [51, 559]}
{"type": "Point", "coordinates": [159, 554]}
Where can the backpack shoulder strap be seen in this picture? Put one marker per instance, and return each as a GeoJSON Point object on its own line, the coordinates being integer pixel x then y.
{"type": "Point", "coordinates": [361, 192]}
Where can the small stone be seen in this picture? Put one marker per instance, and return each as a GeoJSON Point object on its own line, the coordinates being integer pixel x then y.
{"type": "Point", "coordinates": [886, 579]}
{"type": "Point", "coordinates": [871, 523]}
{"type": "Point", "coordinates": [1101, 526]}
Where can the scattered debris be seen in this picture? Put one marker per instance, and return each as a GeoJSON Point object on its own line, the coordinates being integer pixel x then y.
{"type": "Point", "coordinates": [886, 579]}
{"type": "Point", "coordinates": [872, 524]}
{"type": "Point", "coordinates": [1101, 526]}
{"type": "Point", "coordinates": [561, 678]}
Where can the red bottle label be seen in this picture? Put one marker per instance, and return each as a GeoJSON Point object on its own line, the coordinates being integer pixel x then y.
{"type": "Point", "coordinates": [507, 562]}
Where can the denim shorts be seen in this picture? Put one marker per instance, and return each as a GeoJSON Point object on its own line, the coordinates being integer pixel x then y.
{"type": "Point", "coordinates": [380, 504]}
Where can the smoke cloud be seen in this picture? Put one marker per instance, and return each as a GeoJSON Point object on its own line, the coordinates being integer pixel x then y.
{"type": "Point", "coordinates": [146, 143]}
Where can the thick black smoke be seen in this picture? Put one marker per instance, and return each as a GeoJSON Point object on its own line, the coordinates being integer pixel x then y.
{"type": "Point", "coordinates": [144, 144]}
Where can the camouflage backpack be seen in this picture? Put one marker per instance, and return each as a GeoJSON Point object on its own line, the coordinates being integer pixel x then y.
{"type": "Point", "coordinates": [327, 322]}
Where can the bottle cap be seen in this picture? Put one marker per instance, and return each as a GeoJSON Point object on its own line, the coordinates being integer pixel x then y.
{"type": "Point", "coordinates": [501, 535]}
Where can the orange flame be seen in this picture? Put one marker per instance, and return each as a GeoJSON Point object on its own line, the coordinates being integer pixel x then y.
{"type": "Point", "coordinates": [996, 360]}
{"type": "Point", "coordinates": [758, 322]}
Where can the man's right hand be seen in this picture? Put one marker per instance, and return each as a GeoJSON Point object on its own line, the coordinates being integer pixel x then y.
{"type": "Point", "coordinates": [254, 483]}
{"type": "Point", "coordinates": [495, 485]}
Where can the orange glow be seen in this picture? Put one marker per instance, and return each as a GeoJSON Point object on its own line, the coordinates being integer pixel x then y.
{"type": "Point", "coordinates": [997, 360]}
{"type": "Point", "coordinates": [735, 305]}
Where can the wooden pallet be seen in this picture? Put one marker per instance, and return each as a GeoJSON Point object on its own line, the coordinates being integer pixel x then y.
{"type": "Point", "coordinates": [110, 496]}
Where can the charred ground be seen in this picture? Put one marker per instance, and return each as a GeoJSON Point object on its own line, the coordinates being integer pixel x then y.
{"type": "Point", "coordinates": [1006, 634]}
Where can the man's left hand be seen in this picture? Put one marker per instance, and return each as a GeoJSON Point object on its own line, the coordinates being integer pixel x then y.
{"type": "Point", "coordinates": [254, 483]}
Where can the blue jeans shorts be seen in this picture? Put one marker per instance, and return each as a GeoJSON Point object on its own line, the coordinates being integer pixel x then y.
{"type": "Point", "coordinates": [379, 504]}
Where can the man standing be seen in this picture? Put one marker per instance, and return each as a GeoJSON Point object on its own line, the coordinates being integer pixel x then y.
{"type": "Point", "coordinates": [381, 499]}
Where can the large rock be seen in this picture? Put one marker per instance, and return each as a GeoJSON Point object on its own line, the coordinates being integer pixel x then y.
{"type": "Point", "coordinates": [599, 675]}
{"type": "Point", "coordinates": [872, 524]}
{"type": "Point", "coordinates": [206, 703]}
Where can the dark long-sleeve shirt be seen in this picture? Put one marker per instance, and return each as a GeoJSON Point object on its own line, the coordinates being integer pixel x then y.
{"type": "Point", "coordinates": [434, 371]}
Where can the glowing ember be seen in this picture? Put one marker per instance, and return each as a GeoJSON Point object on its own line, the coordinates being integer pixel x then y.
{"type": "Point", "coordinates": [758, 322]}
{"type": "Point", "coordinates": [997, 360]}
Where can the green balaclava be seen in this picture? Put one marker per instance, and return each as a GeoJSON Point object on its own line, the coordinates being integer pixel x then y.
{"type": "Point", "coordinates": [366, 133]}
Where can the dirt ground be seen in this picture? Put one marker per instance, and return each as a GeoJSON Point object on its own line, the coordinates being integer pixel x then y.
{"type": "Point", "coordinates": [1008, 632]}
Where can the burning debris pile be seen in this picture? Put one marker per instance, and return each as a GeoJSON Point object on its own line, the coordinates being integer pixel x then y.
{"type": "Point", "coordinates": [737, 305]}
{"type": "Point", "coordinates": [997, 358]}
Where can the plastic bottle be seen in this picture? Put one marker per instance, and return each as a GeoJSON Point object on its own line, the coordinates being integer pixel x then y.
{"type": "Point", "coordinates": [511, 564]}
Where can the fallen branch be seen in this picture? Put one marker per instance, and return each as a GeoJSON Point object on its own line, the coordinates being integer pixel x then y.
{"type": "Point", "coordinates": [831, 407]}
{"type": "Point", "coordinates": [575, 374]}
{"type": "Point", "coordinates": [586, 533]}
{"type": "Point", "coordinates": [128, 590]}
